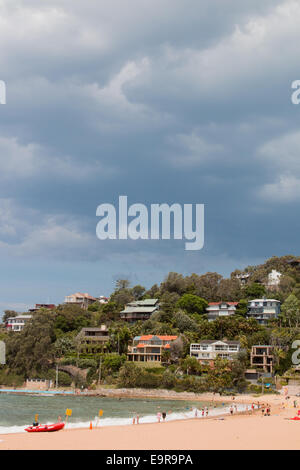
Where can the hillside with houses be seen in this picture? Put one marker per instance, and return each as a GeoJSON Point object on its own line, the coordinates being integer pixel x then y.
{"type": "Point", "coordinates": [193, 333]}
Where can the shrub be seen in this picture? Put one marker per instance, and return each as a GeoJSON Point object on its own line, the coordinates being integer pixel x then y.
{"type": "Point", "coordinates": [64, 379]}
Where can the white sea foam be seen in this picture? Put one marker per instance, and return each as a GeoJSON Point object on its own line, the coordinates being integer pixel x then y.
{"type": "Point", "coordinates": [103, 422]}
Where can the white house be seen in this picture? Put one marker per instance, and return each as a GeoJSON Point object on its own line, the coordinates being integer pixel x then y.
{"type": "Point", "coordinates": [17, 323]}
{"type": "Point", "coordinates": [220, 309]}
{"type": "Point", "coordinates": [207, 351]}
{"type": "Point", "coordinates": [274, 278]}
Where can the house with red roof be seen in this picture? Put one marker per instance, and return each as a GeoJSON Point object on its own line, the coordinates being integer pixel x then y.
{"type": "Point", "coordinates": [149, 348]}
{"type": "Point", "coordinates": [220, 309]}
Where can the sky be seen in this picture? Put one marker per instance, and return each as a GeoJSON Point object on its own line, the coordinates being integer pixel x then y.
{"type": "Point", "coordinates": [165, 101]}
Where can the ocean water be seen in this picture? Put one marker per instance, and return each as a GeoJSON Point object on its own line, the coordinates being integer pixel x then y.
{"type": "Point", "coordinates": [18, 411]}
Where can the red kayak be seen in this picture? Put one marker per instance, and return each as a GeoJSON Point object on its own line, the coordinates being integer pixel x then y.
{"type": "Point", "coordinates": [296, 418]}
{"type": "Point", "coordinates": [45, 427]}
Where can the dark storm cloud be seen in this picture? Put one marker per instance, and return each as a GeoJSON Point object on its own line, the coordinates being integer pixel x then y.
{"type": "Point", "coordinates": [164, 101]}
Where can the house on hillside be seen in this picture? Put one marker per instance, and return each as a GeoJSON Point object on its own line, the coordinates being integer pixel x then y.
{"type": "Point", "coordinates": [220, 309]}
{"type": "Point", "coordinates": [83, 300]}
{"type": "Point", "coordinates": [139, 310]}
{"type": "Point", "coordinates": [243, 278]}
{"type": "Point", "coordinates": [273, 280]}
{"type": "Point", "coordinates": [102, 299]}
{"type": "Point", "coordinates": [39, 306]}
{"type": "Point", "coordinates": [149, 348]}
{"type": "Point", "coordinates": [17, 323]}
{"type": "Point", "coordinates": [263, 310]}
{"type": "Point", "coordinates": [91, 338]}
{"type": "Point", "coordinates": [262, 357]}
{"type": "Point", "coordinates": [207, 351]}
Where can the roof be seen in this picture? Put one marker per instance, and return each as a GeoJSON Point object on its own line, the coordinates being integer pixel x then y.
{"type": "Point", "coordinates": [143, 303]}
{"type": "Point", "coordinates": [148, 337]}
{"type": "Point", "coordinates": [264, 300]}
{"type": "Point", "coordinates": [223, 302]}
{"type": "Point", "coordinates": [19, 316]}
{"type": "Point", "coordinates": [147, 302]}
{"type": "Point", "coordinates": [94, 329]}
{"type": "Point", "coordinates": [139, 310]}
{"type": "Point", "coordinates": [211, 341]}
{"type": "Point", "coordinates": [79, 294]}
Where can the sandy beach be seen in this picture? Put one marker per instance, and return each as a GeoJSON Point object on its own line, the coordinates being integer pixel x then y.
{"type": "Point", "coordinates": [240, 431]}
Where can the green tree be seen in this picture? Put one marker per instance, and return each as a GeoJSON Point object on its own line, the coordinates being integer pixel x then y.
{"type": "Point", "coordinates": [219, 378]}
{"type": "Point", "coordinates": [119, 339]}
{"type": "Point", "coordinates": [192, 304]}
{"type": "Point", "coordinates": [242, 308]}
{"type": "Point", "coordinates": [7, 314]}
{"type": "Point", "coordinates": [290, 311]}
{"type": "Point", "coordinates": [138, 292]}
{"type": "Point", "coordinates": [122, 284]}
{"type": "Point", "coordinates": [71, 317]}
{"type": "Point", "coordinates": [255, 290]}
{"type": "Point", "coordinates": [113, 362]}
{"type": "Point", "coordinates": [174, 282]}
{"type": "Point", "coordinates": [31, 351]}
{"type": "Point", "coordinates": [184, 323]}
{"type": "Point", "coordinates": [190, 366]}
{"type": "Point", "coordinates": [63, 345]}
{"type": "Point", "coordinates": [129, 375]}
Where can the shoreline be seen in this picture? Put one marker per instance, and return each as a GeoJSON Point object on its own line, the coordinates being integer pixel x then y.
{"type": "Point", "coordinates": [136, 393]}
{"type": "Point", "coordinates": [196, 410]}
{"type": "Point", "coordinates": [240, 431]}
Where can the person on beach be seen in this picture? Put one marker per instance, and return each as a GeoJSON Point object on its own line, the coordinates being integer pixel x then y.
{"type": "Point", "coordinates": [158, 416]}
{"type": "Point", "coordinates": [196, 412]}
{"type": "Point", "coordinates": [133, 419]}
{"type": "Point", "coordinates": [137, 419]}
{"type": "Point", "coordinates": [206, 411]}
{"type": "Point", "coordinates": [202, 412]}
{"type": "Point", "coordinates": [164, 414]}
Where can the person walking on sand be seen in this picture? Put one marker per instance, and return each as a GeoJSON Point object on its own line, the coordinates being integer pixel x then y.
{"type": "Point", "coordinates": [158, 416]}
{"type": "Point", "coordinates": [196, 412]}
{"type": "Point", "coordinates": [206, 411]}
{"type": "Point", "coordinates": [164, 414]}
{"type": "Point", "coordinates": [133, 419]}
